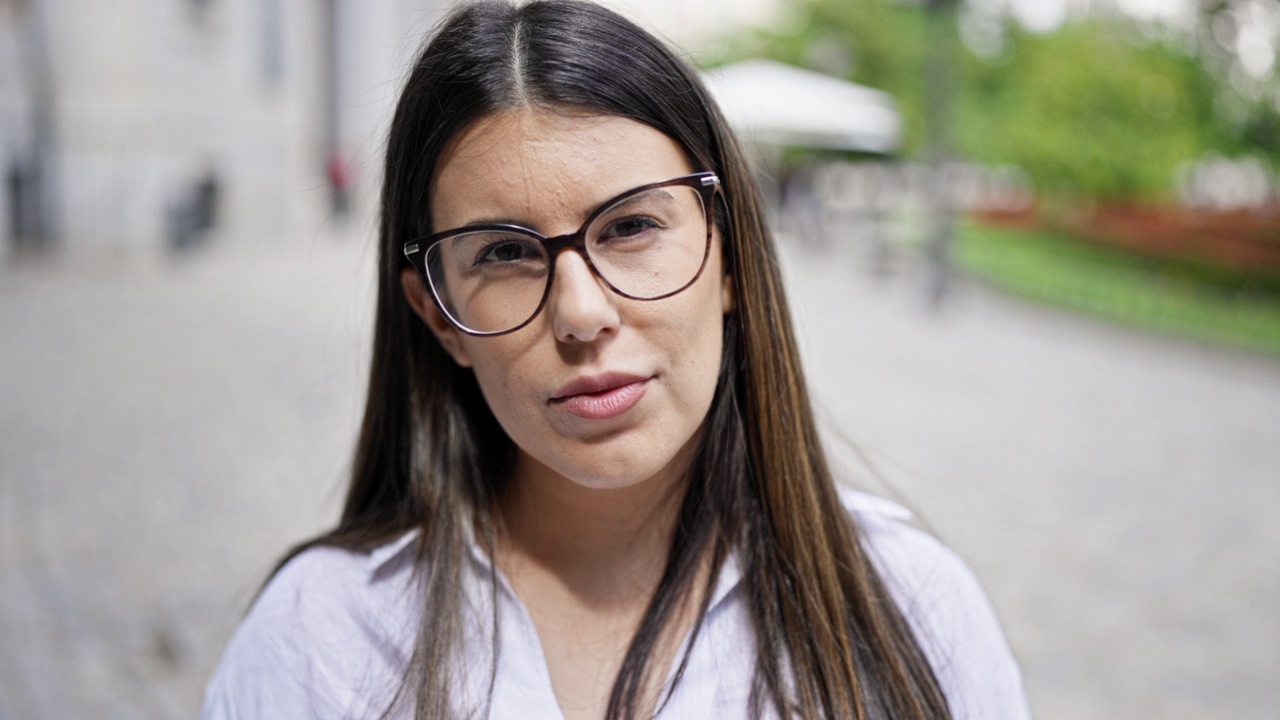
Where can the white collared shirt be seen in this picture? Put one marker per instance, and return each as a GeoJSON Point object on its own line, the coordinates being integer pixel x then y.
{"type": "Point", "coordinates": [331, 635]}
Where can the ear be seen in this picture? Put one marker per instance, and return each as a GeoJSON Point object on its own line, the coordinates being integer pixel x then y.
{"type": "Point", "coordinates": [419, 299]}
{"type": "Point", "coordinates": [727, 295]}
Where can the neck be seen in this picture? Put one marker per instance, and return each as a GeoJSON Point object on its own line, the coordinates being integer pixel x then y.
{"type": "Point", "coordinates": [607, 546]}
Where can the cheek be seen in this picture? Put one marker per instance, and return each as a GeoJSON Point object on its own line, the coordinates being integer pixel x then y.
{"type": "Point", "coordinates": [696, 346]}
{"type": "Point", "coordinates": [502, 377]}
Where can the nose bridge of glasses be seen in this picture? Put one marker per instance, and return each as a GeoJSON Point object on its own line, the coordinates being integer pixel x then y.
{"type": "Point", "coordinates": [570, 246]}
{"type": "Point", "coordinates": [572, 243]}
{"type": "Point", "coordinates": [576, 240]}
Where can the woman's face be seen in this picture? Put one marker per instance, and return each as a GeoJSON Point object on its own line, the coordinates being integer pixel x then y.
{"type": "Point", "coordinates": [599, 389]}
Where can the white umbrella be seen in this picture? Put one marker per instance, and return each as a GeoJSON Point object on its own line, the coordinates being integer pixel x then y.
{"type": "Point", "coordinates": [780, 105]}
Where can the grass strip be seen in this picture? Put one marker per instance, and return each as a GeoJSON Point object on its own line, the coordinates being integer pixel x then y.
{"type": "Point", "coordinates": [1121, 287]}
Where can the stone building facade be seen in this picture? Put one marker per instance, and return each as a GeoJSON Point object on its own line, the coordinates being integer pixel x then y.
{"type": "Point", "coordinates": [144, 124]}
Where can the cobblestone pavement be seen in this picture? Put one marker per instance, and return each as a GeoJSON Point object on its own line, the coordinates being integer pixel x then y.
{"type": "Point", "coordinates": [167, 429]}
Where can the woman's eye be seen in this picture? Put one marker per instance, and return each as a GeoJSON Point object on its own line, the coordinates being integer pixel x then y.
{"type": "Point", "coordinates": [504, 252]}
{"type": "Point", "coordinates": [631, 226]}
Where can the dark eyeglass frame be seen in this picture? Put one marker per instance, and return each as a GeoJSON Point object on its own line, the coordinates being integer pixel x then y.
{"type": "Point", "coordinates": [706, 183]}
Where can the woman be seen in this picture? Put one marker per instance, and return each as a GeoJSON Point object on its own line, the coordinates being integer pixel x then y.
{"type": "Point", "coordinates": [588, 481]}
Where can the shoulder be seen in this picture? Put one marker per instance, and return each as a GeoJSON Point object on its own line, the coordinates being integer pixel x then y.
{"type": "Point", "coordinates": [329, 628]}
{"type": "Point", "coordinates": [917, 567]}
{"type": "Point", "coordinates": [946, 607]}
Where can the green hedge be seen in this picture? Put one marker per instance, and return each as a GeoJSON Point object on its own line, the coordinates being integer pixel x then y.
{"type": "Point", "coordinates": [1121, 287]}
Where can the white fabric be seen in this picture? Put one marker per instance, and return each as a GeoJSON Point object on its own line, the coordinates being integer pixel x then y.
{"type": "Point", "coordinates": [330, 636]}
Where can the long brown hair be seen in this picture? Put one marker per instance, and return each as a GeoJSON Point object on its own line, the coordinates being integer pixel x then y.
{"type": "Point", "coordinates": [431, 456]}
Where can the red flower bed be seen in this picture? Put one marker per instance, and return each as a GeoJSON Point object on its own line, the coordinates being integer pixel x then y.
{"type": "Point", "coordinates": [1246, 242]}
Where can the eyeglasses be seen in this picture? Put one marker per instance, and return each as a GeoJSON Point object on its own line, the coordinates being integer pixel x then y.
{"type": "Point", "coordinates": [648, 243]}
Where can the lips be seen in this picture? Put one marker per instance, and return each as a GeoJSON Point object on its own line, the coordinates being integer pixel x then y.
{"type": "Point", "coordinates": [601, 397]}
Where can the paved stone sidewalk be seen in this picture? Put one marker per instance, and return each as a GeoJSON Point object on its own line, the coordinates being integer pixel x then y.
{"type": "Point", "coordinates": [1117, 493]}
{"type": "Point", "coordinates": [166, 431]}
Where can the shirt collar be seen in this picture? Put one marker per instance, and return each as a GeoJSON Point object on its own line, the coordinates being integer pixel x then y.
{"type": "Point", "coordinates": [382, 555]}
{"type": "Point", "coordinates": [730, 577]}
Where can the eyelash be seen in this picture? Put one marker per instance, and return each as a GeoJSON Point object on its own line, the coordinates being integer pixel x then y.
{"type": "Point", "coordinates": [489, 248]}
{"type": "Point", "coordinates": [647, 222]}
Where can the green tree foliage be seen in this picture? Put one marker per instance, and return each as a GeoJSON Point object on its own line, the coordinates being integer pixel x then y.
{"type": "Point", "coordinates": [1096, 110]}
{"type": "Point", "coordinates": [1086, 111]}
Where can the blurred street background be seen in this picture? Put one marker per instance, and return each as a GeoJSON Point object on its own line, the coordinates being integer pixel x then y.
{"type": "Point", "coordinates": [1033, 250]}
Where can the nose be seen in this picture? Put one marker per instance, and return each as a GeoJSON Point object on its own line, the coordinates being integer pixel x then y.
{"type": "Point", "coordinates": [582, 307]}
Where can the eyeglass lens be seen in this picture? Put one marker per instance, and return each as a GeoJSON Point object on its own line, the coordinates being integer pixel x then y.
{"type": "Point", "coordinates": [645, 246]}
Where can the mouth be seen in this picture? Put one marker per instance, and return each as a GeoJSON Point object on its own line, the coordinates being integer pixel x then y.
{"type": "Point", "coordinates": [601, 397]}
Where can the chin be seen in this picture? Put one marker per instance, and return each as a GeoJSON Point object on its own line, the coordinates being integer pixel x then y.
{"type": "Point", "coordinates": [613, 475]}
{"type": "Point", "coordinates": [614, 463]}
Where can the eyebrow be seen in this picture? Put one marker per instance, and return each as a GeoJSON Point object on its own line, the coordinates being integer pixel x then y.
{"type": "Point", "coordinates": [659, 192]}
{"type": "Point", "coordinates": [491, 221]}
{"type": "Point", "coordinates": [481, 222]}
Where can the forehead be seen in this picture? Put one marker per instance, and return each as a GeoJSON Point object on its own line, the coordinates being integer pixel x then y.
{"type": "Point", "coordinates": [543, 168]}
